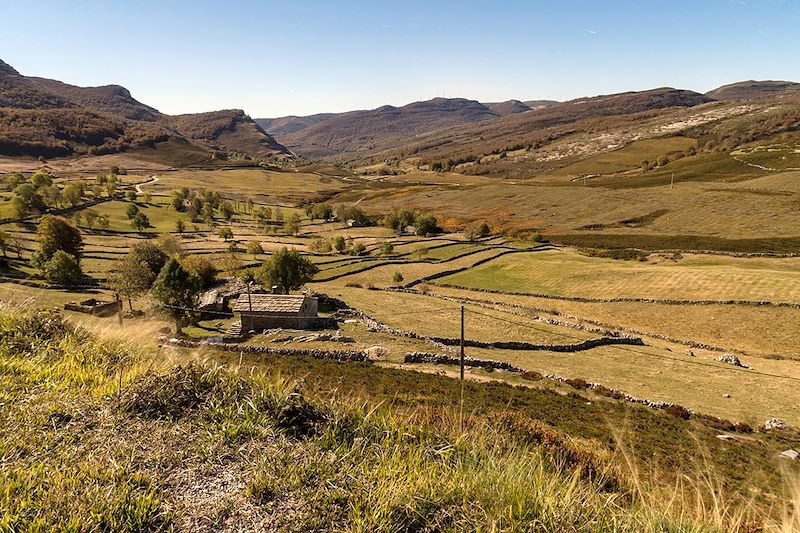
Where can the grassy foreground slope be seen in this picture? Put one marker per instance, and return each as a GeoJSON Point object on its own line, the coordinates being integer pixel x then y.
{"type": "Point", "coordinates": [98, 434]}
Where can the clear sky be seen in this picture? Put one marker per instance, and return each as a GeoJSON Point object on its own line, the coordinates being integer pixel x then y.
{"type": "Point", "coordinates": [301, 57]}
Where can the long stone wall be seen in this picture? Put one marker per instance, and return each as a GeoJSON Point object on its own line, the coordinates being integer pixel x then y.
{"type": "Point", "coordinates": [336, 355]}
{"type": "Point", "coordinates": [527, 346]}
{"type": "Point", "coordinates": [438, 359]}
{"type": "Point", "coordinates": [597, 327]}
{"type": "Point", "coordinates": [378, 326]}
{"type": "Point", "coordinates": [574, 322]}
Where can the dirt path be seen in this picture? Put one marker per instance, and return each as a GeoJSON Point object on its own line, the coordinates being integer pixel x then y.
{"type": "Point", "coordinates": [150, 181]}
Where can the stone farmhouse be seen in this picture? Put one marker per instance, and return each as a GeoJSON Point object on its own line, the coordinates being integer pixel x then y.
{"type": "Point", "coordinates": [258, 312]}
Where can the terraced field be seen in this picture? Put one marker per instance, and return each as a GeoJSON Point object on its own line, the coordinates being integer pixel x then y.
{"type": "Point", "coordinates": [694, 277]}
{"type": "Point", "coordinates": [287, 187]}
{"type": "Point", "coordinates": [381, 276]}
{"type": "Point", "coordinates": [759, 330]}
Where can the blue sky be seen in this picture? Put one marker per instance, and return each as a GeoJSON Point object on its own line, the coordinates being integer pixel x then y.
{"type": "Point", "coordinates": [302, 57]}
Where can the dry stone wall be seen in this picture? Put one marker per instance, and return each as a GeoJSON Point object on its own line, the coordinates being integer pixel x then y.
{"type": "Point", "coordinates": [336, 355]}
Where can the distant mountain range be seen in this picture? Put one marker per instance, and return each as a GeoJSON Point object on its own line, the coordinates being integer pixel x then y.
{"type": "Point", "coordinates": [332, 134]}
{"type": "Point", "coordinates": [43, 117]}
{"type": "Point", "coordinates": [359, 134]}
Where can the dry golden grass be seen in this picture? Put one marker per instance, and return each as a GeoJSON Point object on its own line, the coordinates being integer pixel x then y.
{"type": "Point", "coordinates": [659, 372]}
{"type": "Point", "coordinates": [432, 317]}
{"type": "Point", "coordinates": [759, 331]}
{"type": "Point", "coordinates": [694, 277]}
{"type": "Point", "coordinates": [715, 209]}
{"type": "Point", "coordinates": [292, 187]}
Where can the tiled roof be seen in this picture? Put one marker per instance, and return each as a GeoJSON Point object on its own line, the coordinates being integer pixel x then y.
{"type": "Point", "coordinates": [270, 303]}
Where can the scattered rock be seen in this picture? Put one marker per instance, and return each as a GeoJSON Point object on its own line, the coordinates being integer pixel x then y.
{"type": "Point", "coordinates": [375, 352]}
{"type": "Point", "coordinates": [726, 437]}
{"type": "Point", "coordinates": [792, 455]}
{"type": "Point", "coordinates": [731, 360]}
{"type": "Point", "coordinates": [774, 423]}
{"type": "Point", "coordinates": [726, 395]}
{"type": "Point", "coordinates": [690, 353]}
{"type": "Point", "coordinates": [319, 337]}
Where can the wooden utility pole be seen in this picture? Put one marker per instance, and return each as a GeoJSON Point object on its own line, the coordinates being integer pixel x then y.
{"type": "Point", "coordinates": [461, 358]}
{"type": "Point", "coordinates": [119, 309]}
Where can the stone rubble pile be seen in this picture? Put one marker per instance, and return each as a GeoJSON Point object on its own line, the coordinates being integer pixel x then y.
{"type": "Point", "coordinates": [792, 455]}
{"type": "Point", "coordinates": [774, 423]}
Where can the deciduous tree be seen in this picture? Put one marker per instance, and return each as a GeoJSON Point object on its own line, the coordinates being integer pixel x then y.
{"type": "Point", "coordinates": [200, 267]}
{"type": "Point", "coordinates": [287, 270]}
{"type": "Point", "coordinates": [131, 278]}
{"type": "Point", "coordinates": [176, 289]}
{"type": "Point", "coordinates": [62, 269]}
{"type": "Point", "coordinates": [54, 234]}
{"type": "Point", "coordinates": [254, 248]}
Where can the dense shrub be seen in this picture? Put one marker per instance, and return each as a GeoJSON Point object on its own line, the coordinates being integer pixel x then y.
{"type": "Point", "coordinates": [30, 332]}
{"type": "Point", "coordinates": [181, 390]}
{"type": "Point", "coordinates": [577, 383]}
{"type": "Point", "coordinates": [678, 411]}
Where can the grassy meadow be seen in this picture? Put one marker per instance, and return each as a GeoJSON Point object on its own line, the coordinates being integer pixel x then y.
{"type": "Point", "coordinates": [156, 443]}
{"type": "Point", "coordinates": [520, 451]}
{"type": "Point", "coordinates": [691, 277]}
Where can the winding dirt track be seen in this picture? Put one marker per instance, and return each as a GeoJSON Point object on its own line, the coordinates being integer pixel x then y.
{"type": "Point", "coordinates": [150, 181]}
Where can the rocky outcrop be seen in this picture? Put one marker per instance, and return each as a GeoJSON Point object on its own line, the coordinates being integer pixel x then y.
{"type": "Point", "coordinates": [731, 360]}
{"type": "Point", "coordinates": [773, 424]}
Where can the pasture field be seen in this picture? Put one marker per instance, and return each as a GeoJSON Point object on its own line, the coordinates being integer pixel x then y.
{"type": "Point", "coordinates": [628, 158]}
{"type": "Point", "coordinates": [765, 331]}
{"type": "Point", "coordinates": [692, 277]}
{"type": "Point", "coordinates": [659, 371]}
{"type": "Point", "coordinates": [763, 337]}
{"type": "Point", "coordinates": [723, 210]}
{"type": "Point", "coordinates": [381, 276]}
{"type": "Point", "coordinates": [288, 188]}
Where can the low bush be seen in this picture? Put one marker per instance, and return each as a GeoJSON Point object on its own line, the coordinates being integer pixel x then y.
{"type": "Point", "coordinates": [577, 383]}
{"type": "Point", "coordinates": [178, 392]}
{"type": "Point", "coordinates": [25, 334]}
{"type": "Point", "coordinates": [532, 375]}
{"type": "Point", "coordinates": [678, 411]}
